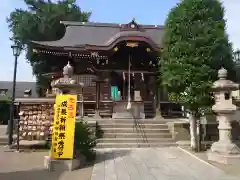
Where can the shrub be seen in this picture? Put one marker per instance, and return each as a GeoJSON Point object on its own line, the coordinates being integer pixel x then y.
{"type": "Point", "coordinates": [85, 140]}
{"type": "Point", "coordinates": [4, 112]}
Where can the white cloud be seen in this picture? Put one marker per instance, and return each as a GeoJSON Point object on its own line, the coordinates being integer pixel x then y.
{"type": "Point", "coordinates": [232, 16]}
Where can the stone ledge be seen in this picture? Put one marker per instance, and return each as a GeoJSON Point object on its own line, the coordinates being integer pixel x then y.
{"type": "Point", "coordinates": [188, 143]}
{"type": "Point", "coordinates": [64, 165]}
{"type": "Point", "coordinates": [208, 143]}
{"type": "Point", "coordinates": [224, 159]}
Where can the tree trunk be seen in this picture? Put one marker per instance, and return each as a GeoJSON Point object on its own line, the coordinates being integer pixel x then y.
{"type": "Point", "coordinates": [193, 130]}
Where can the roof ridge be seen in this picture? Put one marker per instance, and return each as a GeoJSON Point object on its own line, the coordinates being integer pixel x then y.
{"type": "Point", "coordinates": [99, 24]}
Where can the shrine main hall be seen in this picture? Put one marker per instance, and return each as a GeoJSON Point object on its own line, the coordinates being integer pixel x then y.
{"type": "Point", "coordinates": [118, 65]}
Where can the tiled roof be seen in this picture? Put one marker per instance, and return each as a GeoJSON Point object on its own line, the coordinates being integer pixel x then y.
{"type": "Point", "coordinates": [101, 34]}
{"type": "Point", "coordinates": [20, 88]}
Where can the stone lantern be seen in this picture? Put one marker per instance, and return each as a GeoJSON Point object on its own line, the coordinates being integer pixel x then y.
{"type": "Point", "coordinates": [224, 151]}
{"type": "Point", "coordinates": [66, 85]}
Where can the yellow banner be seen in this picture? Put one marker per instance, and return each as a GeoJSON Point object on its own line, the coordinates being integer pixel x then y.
{"type": "Point", "coordinates": [64, 127]}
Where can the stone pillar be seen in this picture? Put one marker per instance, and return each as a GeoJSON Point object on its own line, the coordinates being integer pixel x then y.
{"type": "Point", "coordinates": [224, 151]}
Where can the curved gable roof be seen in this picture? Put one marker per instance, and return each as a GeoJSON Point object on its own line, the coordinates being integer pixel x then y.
{"type": "Point", "coordinates": [102, 34]}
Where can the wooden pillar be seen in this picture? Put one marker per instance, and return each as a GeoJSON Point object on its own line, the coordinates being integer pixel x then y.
{"type": "Point", "coordinates": [143, 87]}
{"type": "Point", "coordinates": [138, 84]}
{"type": "Point", "coordinates": [97, 115]}
{"type": "Point", "coordinates": [123, 86]}
{"type": "Point", "coordinates": [98, 81]}
{"type": "Point", "coordinates": [152, 86]}
{"type": "Point", "coordinates": [158, 104]}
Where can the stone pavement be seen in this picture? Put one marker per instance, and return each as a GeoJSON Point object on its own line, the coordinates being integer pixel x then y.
{"type": "Point", "coordinates": [153, 164]}
{"type": "Point", "coordinates": [29, 166]}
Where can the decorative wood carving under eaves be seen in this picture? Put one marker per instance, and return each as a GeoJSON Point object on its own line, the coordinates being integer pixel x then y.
{"type": "Point", "coordinates": [132, 26]}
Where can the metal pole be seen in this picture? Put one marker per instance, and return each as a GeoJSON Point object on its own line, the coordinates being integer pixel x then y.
{"type": "Point", "coordinates": [10, 122]}
{"type": "Point", "coordinates": [18, 125]}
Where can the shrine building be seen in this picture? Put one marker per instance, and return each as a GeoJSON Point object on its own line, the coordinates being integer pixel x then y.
{"type": "Point", "coordinates": [117, 63]}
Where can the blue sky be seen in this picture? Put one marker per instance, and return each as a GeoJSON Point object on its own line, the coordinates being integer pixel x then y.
{"type": "Point", "coordinates": [123, 11]}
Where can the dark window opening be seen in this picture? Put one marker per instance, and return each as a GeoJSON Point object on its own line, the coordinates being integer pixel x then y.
{"type": "Point", "coordinates": [227, 95]}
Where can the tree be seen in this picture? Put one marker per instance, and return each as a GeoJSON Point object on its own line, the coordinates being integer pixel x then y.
{"type": "Point", "coordinates": [195, 47]}
{"type": "Point", "coordinates": [41, 22]}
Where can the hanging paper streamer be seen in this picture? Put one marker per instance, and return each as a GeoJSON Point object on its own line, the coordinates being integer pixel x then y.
{"type": "Point", "coordinates": [142, 76]}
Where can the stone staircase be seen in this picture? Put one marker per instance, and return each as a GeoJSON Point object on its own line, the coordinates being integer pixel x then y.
{"type": "Point", "coordinates": [134, 134]}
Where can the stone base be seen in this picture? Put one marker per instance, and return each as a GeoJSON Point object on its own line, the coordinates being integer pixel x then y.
{"type": "Point", "coordinates": [136, 111]}
{"type": "Point", "coordinates": [158, 115]}
{"type": "Point", "coordinates": [97, 116]}
{"type": "Point", "coordinates": [63, 165]}
{"type": "Point", "coordinates": [225, 147]}
{"type": "Point", "coordinates": [127, 115]}
{"type": "Point", "coordinates": [122, 115]}
{"type": "Point", "coordinates": [223, 158]}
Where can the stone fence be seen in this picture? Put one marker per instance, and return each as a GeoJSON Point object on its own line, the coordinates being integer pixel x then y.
{"type": "Point", "coordinates": [181, 129]}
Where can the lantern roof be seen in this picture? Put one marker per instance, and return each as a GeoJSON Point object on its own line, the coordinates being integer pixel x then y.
{"type": "Point", "coordinates": [223, 84]}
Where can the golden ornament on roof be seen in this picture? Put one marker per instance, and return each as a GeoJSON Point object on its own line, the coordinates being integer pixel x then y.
{"type": "Point", "coordinates": [115, 49]}
{"type": "Point", "coordinates": [132, 44]}
{"type": "Point", "coordinates": [148, 49]}
{"type": "Point", "coordinates": [35, 51]}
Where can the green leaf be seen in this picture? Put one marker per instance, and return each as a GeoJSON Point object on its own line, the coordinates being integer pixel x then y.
{"type": "Point", "coordinates": [41, 22]}
{"type": "Point", "coordinates": [195, 47]}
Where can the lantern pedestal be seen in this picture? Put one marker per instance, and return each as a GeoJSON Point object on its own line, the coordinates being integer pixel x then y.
{"type": "Point", "coordinates": [224, 151]}
{"type": "Point", "coordinates": [227, 159]}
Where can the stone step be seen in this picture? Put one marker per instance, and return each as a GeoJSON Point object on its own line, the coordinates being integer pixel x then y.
{"type": "Point", "coordinates": [132, 125]}
{"type": "Point", "coordinates": [130, 121]}
{"type": "Point", "coordinates": [136, 130]}
{"type": "Point", "coordinates": [136, 135]}
{"type": "Point", "coordinates": [134, 140]}
{"type": "Point", "coordinates": [135, 145]}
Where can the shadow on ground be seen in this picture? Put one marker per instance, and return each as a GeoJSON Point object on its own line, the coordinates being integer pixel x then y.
{"type": "Point", "coordinates": [108, 155]}
{"type": "Point", "coordinates": [31, 175]}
